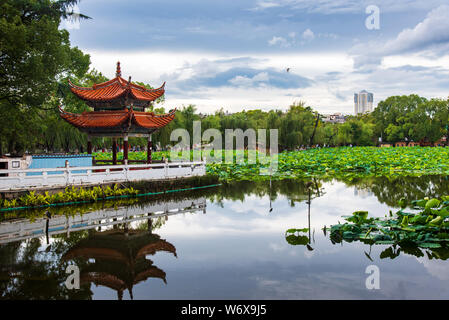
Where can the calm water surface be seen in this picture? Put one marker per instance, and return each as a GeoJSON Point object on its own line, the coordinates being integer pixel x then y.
{"type": "Point", "coordinates": [225, 243]}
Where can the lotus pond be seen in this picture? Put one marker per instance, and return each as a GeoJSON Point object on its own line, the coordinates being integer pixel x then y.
{"type": "Point", "coordinates": [304, 238]}
{"type": "Point", "coordinates": [342, 162]}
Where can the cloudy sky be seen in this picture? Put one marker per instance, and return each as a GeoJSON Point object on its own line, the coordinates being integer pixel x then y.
{"type": "Point", "coordinates": [235, 54]}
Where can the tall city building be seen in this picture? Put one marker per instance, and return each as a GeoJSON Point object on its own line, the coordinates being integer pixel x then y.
{"type": "Point", "coordinates": [363, 102]}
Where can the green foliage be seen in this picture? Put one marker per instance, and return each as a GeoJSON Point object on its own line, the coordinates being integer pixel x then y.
{"type": "Point", "coordinates": [426, 229]}
{"type": "Point", "coordinates": [69, 195]}
{"type": "Point", "coordinates": [295, 237]}
{"type": "Point", "coordinates": [34, 51]}
{"type": "Point", "coordinates": [34, 55]}
{"type": "Point", "coordinates": [342, 162]}
{"type": "Point", "coordinates": [411, 118]}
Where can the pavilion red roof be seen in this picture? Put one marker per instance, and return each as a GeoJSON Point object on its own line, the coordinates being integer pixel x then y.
{"type": "Point", "coordinates": [117, 92]}
{"type": "Point", "coordinates": [114, 89]}
{"type": "Point", "coordinates": [125, 120]}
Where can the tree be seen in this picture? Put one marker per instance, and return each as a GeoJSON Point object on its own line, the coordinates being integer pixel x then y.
{"type": "Point", "coordinates": [297, 126]}
{"type": "Point", "coordinates": [34, 52]}
{"type": "Point", "coordinates": [34, 55]}
{"type": "Point", "coordinates": [437, 122]}
{"type": "Point", "coordinates": [329, 134]}
{"type": "Point", "coordinates": [401, 118]}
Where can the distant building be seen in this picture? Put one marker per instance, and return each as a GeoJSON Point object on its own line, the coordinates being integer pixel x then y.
{"type": "Point", "coordinates": [363, 102]}
{"type": "Point", "coordinates": [423, 143]}
{"type": "Point", "coordinates": [333, 118]}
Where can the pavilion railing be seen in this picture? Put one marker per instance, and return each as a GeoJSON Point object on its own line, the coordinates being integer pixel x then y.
{"type": "Point", "coordinates": [25, 179]}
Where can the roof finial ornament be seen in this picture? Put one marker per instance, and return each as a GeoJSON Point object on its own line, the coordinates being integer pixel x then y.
{"type": "Point", "coordinates": [118, 73]}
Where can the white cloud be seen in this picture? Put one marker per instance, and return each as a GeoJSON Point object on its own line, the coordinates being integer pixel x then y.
{"type": "Point", "coordinates": [282, 42]}
{"type": "Point", "coordinates": [308, 35]}
{"type": "Point", "coordinates": [267, 4]}
{"type": "Point", "coordinates": [437, 268]}
{"type": "Point", "coordinates": [243, 81]}
{"type": "Point", "coordinates": [431, 37]}
{"type": "Point", "coordinates": [199, 30]}
{"type": "Point", "coordinates": [333, 75]}
{"type": "Point", "coordinates": [432, 31]}
{"type": "Point", "coordinates": [332, 36]}
{"type": "Point", "coordinates": [350, 6]}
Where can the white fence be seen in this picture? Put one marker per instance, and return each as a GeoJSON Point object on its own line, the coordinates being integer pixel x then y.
{"type": "Point", "coordinates": [26, 229]}
{"type": "Point", "coordinates": [25, 179]}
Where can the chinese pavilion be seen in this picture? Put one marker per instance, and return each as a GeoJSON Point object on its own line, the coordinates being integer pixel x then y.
{"type": "Point", "coordinates": [119, 112]}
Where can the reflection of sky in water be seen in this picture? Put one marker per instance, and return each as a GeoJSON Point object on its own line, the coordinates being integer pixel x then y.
{"type": "Point", "coordinates": [239, 252]}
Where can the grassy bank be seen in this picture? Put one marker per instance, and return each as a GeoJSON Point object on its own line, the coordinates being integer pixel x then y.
{"type": "Point", "coordinates": [75, 196]}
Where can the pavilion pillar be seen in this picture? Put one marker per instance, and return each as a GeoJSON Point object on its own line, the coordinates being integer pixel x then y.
{"type": "Point", "coordinates": [125, 149]}
{"type": "Point", "coordinates": [149, 149]}
{"type": "Point", "coordinates": [114, 151]}
{"type": "Point", "coordinates": [89, 145]}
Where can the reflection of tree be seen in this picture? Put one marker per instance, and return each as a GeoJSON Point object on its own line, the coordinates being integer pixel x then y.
{"type": "Point", "coordinates": [390, 190]}
{"type": "Point", "coordinates": [295, 190]}
{"type": "Point", "coordinates": [295, 236]}
{"type": "Point", "coordinates": [27, 273]}
{"type": "Point", "coordinates": [431, 253]}
{"type": "Point", "coordinates": [395, 250]}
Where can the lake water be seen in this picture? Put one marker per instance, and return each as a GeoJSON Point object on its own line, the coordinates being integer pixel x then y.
{"type": "Point", "coordinates": [222, 243]}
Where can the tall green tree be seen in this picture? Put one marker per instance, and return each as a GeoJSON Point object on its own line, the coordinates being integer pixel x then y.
{"type": "Point", "coordinates": [400, 118]}
{"type": "Point", "coordinates": [34, 54]}
{"type": "Point", "coordinates": [34, 51]}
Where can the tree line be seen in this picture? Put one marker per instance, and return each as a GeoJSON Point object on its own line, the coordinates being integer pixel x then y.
{"type": "Point", "coordinates": [398, 118]}
{"type": "Point", "coordinates": [37, 59]}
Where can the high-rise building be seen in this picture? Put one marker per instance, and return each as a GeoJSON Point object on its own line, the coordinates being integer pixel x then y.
{"type": "Point", "coordinates": [363, 102]}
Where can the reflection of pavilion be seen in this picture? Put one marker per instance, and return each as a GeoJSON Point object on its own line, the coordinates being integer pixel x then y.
{"type": "Point", "coordinates": [116, 258]}
{"type": "Point", "coordinates": [119, 257]}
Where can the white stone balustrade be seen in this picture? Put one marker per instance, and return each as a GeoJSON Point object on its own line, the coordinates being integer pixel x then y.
{"type": "Point", "coordinates": [17, 180]}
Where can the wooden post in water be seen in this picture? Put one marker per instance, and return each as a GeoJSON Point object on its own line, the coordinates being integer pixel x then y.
{"type": "Point", "coordinates": [89, 145]}
{"type": "Point", "coordinates": [114, 151]}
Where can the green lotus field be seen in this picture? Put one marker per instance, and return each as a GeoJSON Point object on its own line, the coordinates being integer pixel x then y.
{"type": "Point", "coordinates": [330, 162]}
